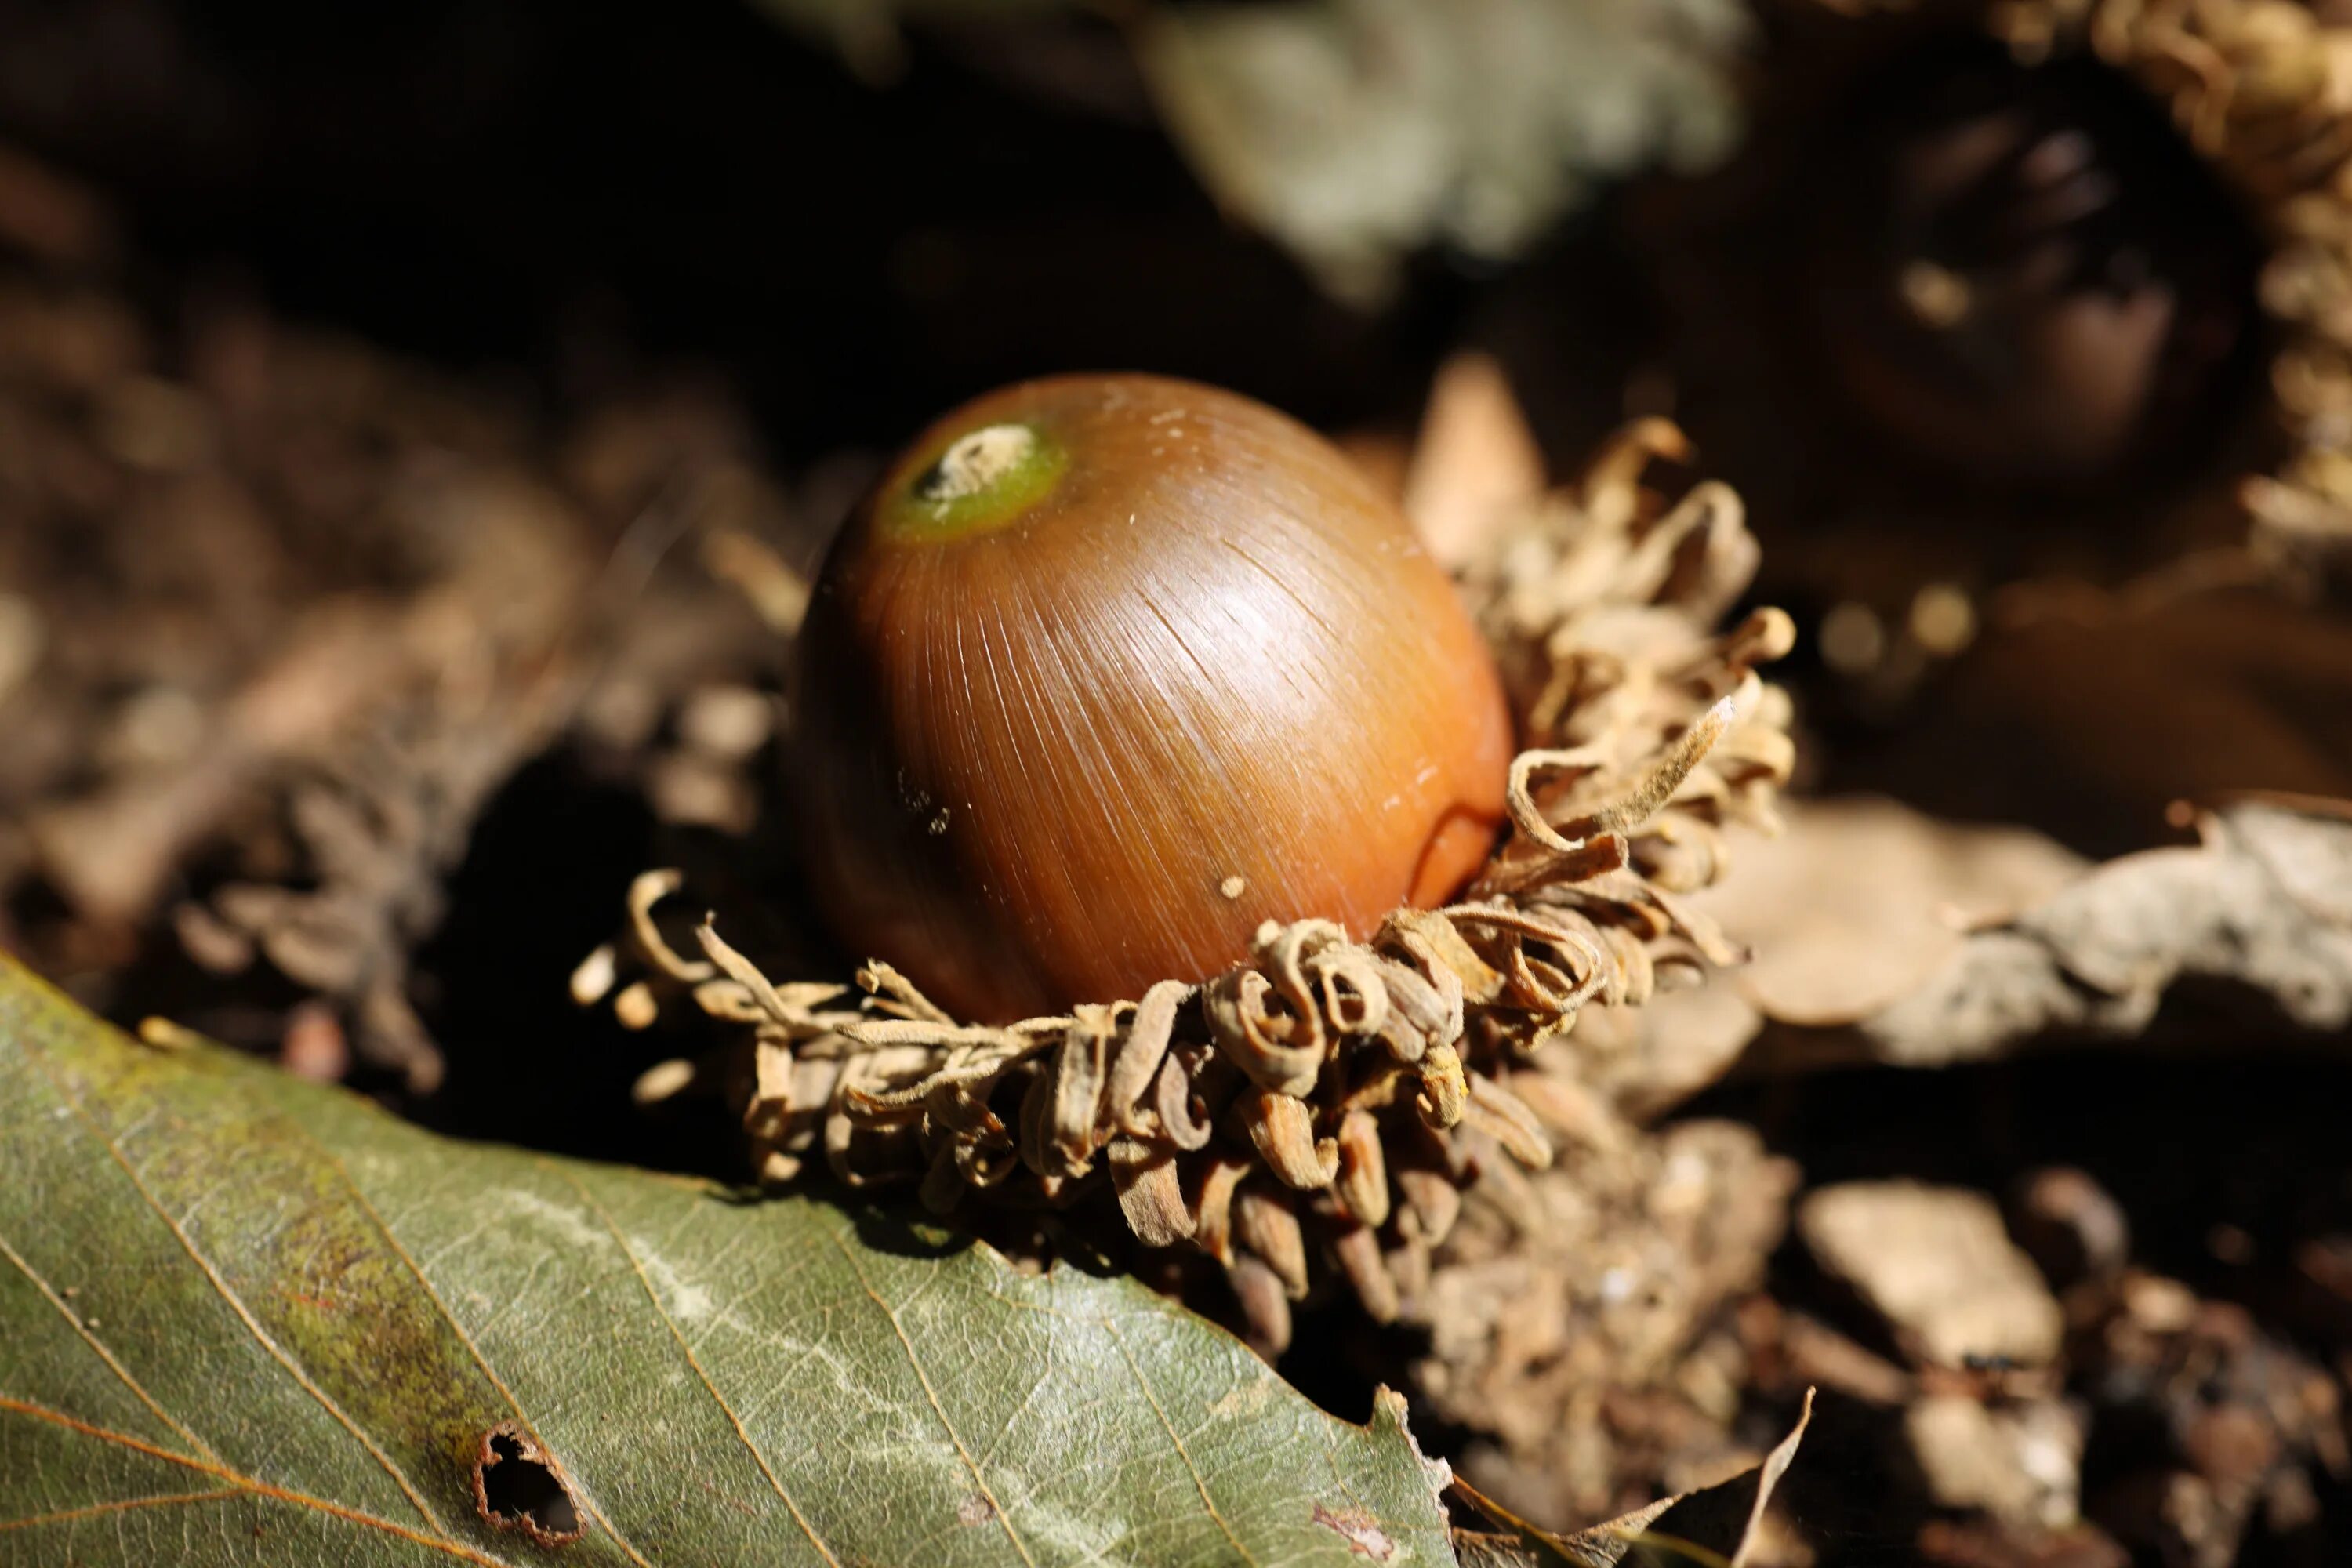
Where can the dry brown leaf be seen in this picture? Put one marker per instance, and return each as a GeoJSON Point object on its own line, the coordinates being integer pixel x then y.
{"type": "Point", "coordinates": [1474, 462]}
{"type": "Point", "coordinates": [1720, 1524]}
{"type": "Point", "coordinates": [2260, 907]}
{"type": "Point", "coordinates": [1885, 936]}
{"type": "Point", "coordinates": [1861, 900]}
{"type": "Point", "coordinates": [1850, 908]}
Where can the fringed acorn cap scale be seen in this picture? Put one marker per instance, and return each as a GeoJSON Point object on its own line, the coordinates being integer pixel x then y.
{"type": "Point", "coordinates": [1317, 1109]}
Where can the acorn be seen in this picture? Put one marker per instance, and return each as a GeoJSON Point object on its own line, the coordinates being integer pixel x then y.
{"type": "Point", "coordinates": [1031, 730]}
{"type": "Point", "coordinates": [1109, 670]}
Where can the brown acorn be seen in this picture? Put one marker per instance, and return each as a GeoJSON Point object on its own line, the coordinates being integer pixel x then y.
{"type": "Point", "coordinates": [1108, 669]}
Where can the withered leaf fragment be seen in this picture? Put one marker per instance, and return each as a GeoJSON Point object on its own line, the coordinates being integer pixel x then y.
{"type": "Point", "coordinates": [1712, 1524]}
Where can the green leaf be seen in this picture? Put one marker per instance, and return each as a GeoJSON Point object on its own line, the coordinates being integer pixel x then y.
{"type": "Point", "coordinates": [247, 1321]}
{"type": "Point", "coordinates": [1356, 131]}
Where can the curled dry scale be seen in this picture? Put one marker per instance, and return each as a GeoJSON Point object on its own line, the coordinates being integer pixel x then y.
{"type": "Point", "coordinates": [1172, 781]}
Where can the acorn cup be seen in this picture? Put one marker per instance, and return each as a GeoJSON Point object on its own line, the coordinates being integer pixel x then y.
{"type": "Point", "coordinates": [2006, 296]}
{"type": "Point", "coordinates": [2274, 119]}
{"type": "Point", "coordinates": [2256, 91]}
{"type": "Point", "coordinates": [1169, 783]}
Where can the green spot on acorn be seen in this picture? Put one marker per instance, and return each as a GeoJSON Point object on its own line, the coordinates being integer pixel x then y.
{"type": "Point", "coordinates": [981, 481]}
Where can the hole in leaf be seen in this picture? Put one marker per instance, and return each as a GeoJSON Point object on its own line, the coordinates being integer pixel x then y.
{"type": "Point", "coordinates": [519, 1486]}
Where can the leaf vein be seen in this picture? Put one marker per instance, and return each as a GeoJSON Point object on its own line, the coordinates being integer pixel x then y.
{"type": "Point", "coordinates": [434, 1295]}
{"type": "Point", "coordinates": [1200, 1482]}
{"type": "Point", "coordinates": [104, 1355]}
{"type": "Point", "coordinates": [742, 1432]}
{"type": "Point", "coordinates": [235, 1303]}
{"type": "Point", "coordinates": [125, 1505]}
{"type": "Point", "coordinates": [892, 1316]}
{"type": "Point", "coordinates": [241, 1482]}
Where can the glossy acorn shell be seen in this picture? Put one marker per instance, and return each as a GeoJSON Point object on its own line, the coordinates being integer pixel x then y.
{"type": "Point", "coordinates": [1178, 670]}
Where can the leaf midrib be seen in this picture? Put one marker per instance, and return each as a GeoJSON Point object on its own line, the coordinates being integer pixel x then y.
{"type": "Point", "coordinates": [440, 1539]}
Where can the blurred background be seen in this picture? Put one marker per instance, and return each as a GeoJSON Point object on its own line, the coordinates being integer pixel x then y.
{"type": "Point", "coordinates": [417, 424]}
